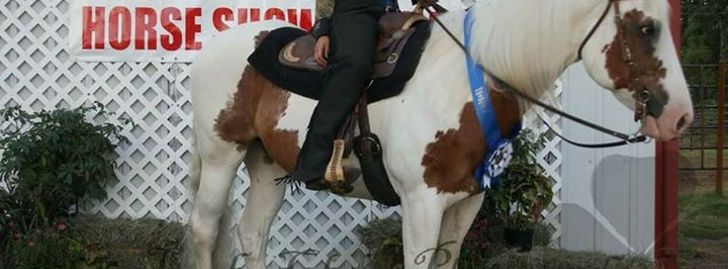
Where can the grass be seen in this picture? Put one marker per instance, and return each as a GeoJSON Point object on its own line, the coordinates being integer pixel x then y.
{"type": "Point", "coordinates": [547, 258]}
{"type": "Point", "coordinates": [708, 157]}
{"type": "Point", "coordinates": [703, 231]}
{"type": "Point", "coordinates": [704, 215]}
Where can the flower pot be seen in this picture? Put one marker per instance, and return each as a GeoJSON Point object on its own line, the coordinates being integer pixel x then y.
{"type": "Point", "coordinates": [523, 240]}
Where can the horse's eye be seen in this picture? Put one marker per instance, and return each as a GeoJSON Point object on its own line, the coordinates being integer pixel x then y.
{"type": "Point", "coordinates": [648, 28]}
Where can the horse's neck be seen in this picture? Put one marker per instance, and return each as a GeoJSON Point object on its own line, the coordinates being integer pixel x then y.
{"type": "Point", "coordinates": [529, 44]}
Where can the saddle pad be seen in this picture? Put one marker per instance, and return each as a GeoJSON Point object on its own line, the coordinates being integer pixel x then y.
{"type": "Point", "coordinates": [309, 83]}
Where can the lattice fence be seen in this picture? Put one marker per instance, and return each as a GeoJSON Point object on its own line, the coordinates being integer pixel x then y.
{"type": "Point", "coordinates": [37, 72]}
{"type": "Point", "coordinates": [550, 158]}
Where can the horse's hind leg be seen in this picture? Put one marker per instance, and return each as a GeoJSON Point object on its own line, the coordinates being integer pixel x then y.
{"type": "Point", "coordinates": [455, 225]}
{"type": "Point", "coordinates": [264, 199]}
{"type": "Point", "coordinates": [219, 162]}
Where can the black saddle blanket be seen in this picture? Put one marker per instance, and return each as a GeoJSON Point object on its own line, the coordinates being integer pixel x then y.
{"type": "Point", "coordinates": [310, 83]}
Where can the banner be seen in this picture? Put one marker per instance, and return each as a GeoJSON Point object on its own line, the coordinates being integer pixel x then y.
{"type": "Point", "coordinates": [165, 30]}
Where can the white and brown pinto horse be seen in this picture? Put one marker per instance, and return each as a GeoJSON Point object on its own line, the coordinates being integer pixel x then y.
{"type": "Point", "coordinates": [430, 133]}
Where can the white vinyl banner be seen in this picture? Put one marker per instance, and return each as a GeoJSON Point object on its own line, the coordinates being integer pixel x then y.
{"type": "Point", "coordinates": [167, 30]}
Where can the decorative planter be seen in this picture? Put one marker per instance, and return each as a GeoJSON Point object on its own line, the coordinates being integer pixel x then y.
{"type": "Point", "coordinates": [523, 240]}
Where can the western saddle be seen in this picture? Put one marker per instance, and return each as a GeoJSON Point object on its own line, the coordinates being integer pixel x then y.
{"type": "Point", "coordinates": [395, 29]}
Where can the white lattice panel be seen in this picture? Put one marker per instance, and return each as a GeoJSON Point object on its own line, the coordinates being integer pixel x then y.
{"type": "Point", "coordinates": [550, 158]}
{"type": "Point", "coordinates": [37, 72]}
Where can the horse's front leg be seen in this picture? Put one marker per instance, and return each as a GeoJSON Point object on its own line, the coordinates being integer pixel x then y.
{"type": "Point", "coordinates": [455, 225]}
{"type": "Point", "coordinates": [422, 211]}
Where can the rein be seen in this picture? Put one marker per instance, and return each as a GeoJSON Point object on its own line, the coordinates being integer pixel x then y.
{"type": "Point", "coordinates": [627, 58]}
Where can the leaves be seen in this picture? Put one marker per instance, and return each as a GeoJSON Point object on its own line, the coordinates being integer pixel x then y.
{"type": "Point", "coordinates": [50, 160]}
{"type": "Point", "coordinates": [524, 189]}
{"type": "Point", "coordinates": [704, 31]}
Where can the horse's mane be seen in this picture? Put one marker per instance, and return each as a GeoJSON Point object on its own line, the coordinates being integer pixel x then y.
{"type": "Point", "coordinates": [516, 42]}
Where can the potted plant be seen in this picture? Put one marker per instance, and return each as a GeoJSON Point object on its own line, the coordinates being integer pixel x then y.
{"type": "Point", "coordinates": [523, 192]}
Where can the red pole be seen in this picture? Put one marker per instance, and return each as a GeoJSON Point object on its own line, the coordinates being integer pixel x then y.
{"type": "Point", "coordinates": [666, 180]}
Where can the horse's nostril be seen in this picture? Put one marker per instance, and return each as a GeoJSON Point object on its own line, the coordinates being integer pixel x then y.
{"type": "Point", "coordinates": [682, 123]}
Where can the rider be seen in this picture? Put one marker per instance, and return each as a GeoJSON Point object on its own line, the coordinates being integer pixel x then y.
{"type": "Point", "coordinates": [352, 34]}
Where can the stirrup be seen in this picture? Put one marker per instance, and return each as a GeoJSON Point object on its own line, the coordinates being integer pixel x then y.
{"type": "Point", "coordinates": [334, 170]}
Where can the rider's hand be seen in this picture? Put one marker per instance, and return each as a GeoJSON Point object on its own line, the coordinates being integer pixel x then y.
{"type": "Point", "coordinates": [321, 50]}
{"type": "Point", "coordinates": [424, 3]}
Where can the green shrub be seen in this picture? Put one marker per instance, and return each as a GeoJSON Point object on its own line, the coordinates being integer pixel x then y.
{"type": "Point", "coordinates": [57, 157]}
{"type": "Point", "coordinates": [50, 160]}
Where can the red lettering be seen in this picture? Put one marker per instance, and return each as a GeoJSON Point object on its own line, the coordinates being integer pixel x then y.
{"type": "Point", "coordinates": [274, 13]}
{"type": "Point", "coordinates": [192, 28]}
{"type": "Point", "coordinates": [292, 16]}
{"type": "Point", "coordinates": [254, 14]}
{"type": "Point", "coordinates": [173, 40]}
{"type": "Point", "coordinates": [219, 16]}
{"type": "Point", "coordinates": [306, 21]}
{"type": "Point", "coordinates": [146, 18]}
{"type": "Point", "coordinates": [119, 17]}
{"type": "Point", "coordinates": [93, 28]}
{"type": "Point", "coordinates": [242, 15]}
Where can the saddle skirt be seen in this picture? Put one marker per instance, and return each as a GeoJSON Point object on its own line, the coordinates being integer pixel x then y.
{"type": "Point", "coordinates": [285, 57]}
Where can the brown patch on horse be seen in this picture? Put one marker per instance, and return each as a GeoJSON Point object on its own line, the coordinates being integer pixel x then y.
{"type": "Point", "coordinates": [235, 122]}
{"type": "Point", "coordinates": [650, 69]}
{"type": "Point", "coordinates": [451, 160]}
{"type": "Point", "coordinates": [281, 145]}
{"type": "Point", "coordinates": [254, 111]}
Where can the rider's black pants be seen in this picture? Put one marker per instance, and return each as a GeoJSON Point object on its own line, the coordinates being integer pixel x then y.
{"type": "Point", "coordinates": [353, 42]}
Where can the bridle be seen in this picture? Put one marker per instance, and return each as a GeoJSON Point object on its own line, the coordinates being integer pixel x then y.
{"type": "Point", "coordinates": [642, 94]}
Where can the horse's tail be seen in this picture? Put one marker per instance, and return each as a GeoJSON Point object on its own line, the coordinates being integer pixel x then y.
{"type": "Point", "coordinates": [195, 169]}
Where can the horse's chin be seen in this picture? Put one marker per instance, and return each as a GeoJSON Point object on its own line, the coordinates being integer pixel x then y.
{"type": "Point", "coordinates": [651, 128]}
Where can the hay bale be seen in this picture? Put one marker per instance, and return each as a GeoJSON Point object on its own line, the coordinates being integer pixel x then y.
{"type": "Point", "coordinates": [144, 243]}
{"type": "Point", "coordinates": [546, 258]}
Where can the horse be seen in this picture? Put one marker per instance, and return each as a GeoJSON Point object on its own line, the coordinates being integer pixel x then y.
{"type": "Point", "coordinates": [431, 138]}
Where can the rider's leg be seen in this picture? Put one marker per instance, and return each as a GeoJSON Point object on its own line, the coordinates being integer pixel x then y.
{"type": "Point", "coordinates": [353, 41]}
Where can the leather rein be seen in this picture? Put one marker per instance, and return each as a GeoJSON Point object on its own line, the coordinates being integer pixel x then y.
{"type": "Point", "coordinates": [643, 95]}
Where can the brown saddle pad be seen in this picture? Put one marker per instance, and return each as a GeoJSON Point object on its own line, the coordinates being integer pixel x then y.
{"type": "Point", "coordinates": [394, 32]}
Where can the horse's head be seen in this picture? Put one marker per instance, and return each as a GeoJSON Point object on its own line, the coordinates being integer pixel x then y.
{"type": "Point", "coordinates": [630, 50]}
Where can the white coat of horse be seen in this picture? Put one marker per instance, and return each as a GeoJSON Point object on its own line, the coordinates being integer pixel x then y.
{"type": "Point", "coordinates": [430, 136]}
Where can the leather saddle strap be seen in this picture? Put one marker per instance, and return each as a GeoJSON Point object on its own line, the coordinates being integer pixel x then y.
{"type": "Point", "coordinates": [366, 146]}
